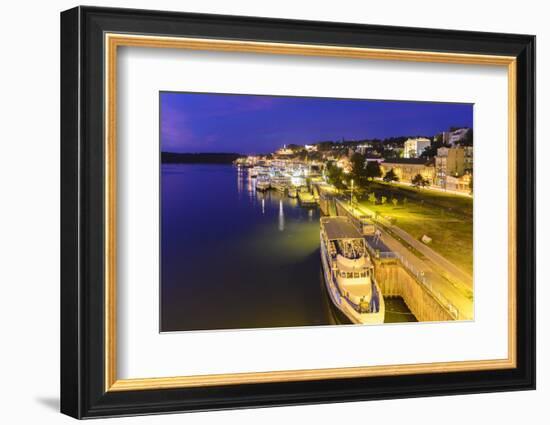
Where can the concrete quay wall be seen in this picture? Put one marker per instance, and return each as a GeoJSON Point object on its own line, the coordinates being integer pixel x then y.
{"type": "Point", "coordinates": [394, 280]}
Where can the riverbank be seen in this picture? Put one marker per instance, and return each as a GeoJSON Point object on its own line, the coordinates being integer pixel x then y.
{"type": "Point", "coordinates": [198, 158]}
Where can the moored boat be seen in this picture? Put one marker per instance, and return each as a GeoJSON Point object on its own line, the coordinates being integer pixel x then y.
{"type": "Point", "coordinates": [349, 272]}
{"type": "Point", "coordinates": [263, 183]}
{"type": "Point", "coordinates": [280, 183]}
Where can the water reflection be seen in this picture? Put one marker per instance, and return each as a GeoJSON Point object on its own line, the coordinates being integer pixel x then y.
{"type": "Point", "coordinates": [281, 216]}
{"type": "Point", "coordinates": [241, 175]}
{"type": "Point", "coordinates": [251, 186]}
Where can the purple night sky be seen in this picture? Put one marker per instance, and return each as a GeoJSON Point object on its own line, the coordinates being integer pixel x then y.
{"type": "Point", "coordinates": [198, 122]}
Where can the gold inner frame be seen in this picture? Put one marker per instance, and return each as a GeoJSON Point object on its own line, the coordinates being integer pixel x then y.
{"type": "Point", "coordinates": [113, 41]}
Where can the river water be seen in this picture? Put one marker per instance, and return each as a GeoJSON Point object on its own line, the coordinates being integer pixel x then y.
{"type": "Point", "coordinates": [234, 258]}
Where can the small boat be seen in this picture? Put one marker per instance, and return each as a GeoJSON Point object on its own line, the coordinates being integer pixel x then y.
{"type": "Point", "coordinates": [349, 272]}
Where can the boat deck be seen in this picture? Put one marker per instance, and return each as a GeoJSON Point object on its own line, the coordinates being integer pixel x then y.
{"type": "Point", "coordinates": [340, 228]}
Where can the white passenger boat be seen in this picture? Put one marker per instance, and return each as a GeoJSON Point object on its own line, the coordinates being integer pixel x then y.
{"type": "Point", "coordinates": [349, 272]}
{"type": "Point", "coordinates": [263, 183]}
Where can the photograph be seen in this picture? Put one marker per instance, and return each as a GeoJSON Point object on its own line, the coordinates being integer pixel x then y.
{"type": "Point", "coordinates": [285, 211]}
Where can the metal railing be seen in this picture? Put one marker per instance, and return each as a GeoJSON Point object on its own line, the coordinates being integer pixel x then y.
{"type": "Point", "coordinates": [419, 276]}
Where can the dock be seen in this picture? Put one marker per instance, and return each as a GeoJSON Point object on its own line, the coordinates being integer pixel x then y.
{"type": "Point", "coordinates": [400, 273]}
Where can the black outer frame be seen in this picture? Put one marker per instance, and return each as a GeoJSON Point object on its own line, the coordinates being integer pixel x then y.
{"type": "Point", "coordinates": [82, 212]}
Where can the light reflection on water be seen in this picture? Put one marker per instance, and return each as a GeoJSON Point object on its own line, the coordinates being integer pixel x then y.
{"type": "Point", "coordinates": [281, 216]}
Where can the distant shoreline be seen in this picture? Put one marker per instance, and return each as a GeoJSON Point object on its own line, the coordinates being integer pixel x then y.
{"type": "Point", "coordinates": [198, 158]}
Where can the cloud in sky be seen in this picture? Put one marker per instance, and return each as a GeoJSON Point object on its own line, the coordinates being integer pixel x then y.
{"type": "Point", "coordinates": [199, 122]}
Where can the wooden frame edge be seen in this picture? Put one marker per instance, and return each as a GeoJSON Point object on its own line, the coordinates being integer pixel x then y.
{"type": "Point", "coordinates": [512, 212]}
{"type": "Point", "coordinates": [110, 213]}
{"type": "Point", "coordinates": [114, 40]}
{"type": "Point", "coordinates": [305, 375]}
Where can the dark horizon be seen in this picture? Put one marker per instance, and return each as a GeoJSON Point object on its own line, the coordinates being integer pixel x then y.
{"type": "Point", "coordinates": [261, 124]}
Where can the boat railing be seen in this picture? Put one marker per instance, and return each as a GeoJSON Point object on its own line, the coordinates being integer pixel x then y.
{"type": "Point", "coordinates": [373, 305]}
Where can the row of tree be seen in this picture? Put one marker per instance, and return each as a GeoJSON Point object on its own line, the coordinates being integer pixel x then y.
{"type": "Point", "coordinates": [363, 174]}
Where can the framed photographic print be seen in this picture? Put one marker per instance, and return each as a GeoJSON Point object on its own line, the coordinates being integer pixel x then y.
{"type": "Point", "coordinates": [261, 212]}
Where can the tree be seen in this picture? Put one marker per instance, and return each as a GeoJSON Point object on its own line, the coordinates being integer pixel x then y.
{"type": "Point", "coordinates": [373, 170]}
{"type": "Point", "coordinates": [314, 156]}
{"type": "Point", "coordinates": [325, 146]}
{"type": "Point", "coordinates": [335, 176]}
{"type": "Point", "coordinates": [294, 147]}
{"type": "Point", "coordinates": [468, 139]}
{"type": "Point", "coordinates": [301, 155]}
{"type": "Point", "coordinates": [419, 181]}
{"type": "Point", "coordinates": [358, 171]}
{"type": "Point", "coordinates": [391, 176]}
{"type": "Point", "coordinates": [372, 198]}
